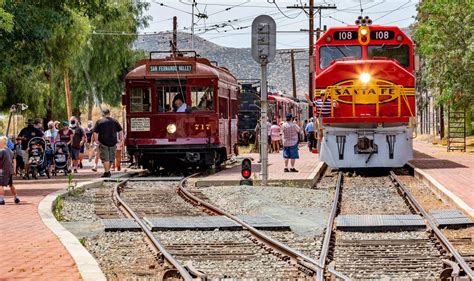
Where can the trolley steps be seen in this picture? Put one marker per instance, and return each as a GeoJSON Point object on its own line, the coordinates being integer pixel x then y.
{"type": "Point", "coordinates": [456, 130]}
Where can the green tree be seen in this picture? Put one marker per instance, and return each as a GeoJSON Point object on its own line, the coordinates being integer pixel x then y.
{"type": "Point", "coordinates": [44, 43]}
{"type": "Point", "coordinates": [6, 19]}
{"type": "Point", "coordinates": [443, 36]}
{"type": "Point", "coordinates": [107, 57]}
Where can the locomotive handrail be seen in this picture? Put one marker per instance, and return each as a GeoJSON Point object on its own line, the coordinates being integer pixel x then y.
{"type": "Point", "coordinates": [399, 95]}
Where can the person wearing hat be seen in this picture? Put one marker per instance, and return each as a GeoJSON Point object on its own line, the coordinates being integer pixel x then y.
{"type": "Point", "coordinates": [291, 133]}
{"type": "Point", "coordinates": [89, 143]}
{"type": "Point", "coordinates": [25, 135]}
{"type": "Point", "coordinates": [309, 130]}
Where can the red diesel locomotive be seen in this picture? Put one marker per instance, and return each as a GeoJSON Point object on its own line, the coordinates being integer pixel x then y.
{"type": "Point", "coordinates": [365, 75]}
{"type": "Point", "coordinates": [180, 111]}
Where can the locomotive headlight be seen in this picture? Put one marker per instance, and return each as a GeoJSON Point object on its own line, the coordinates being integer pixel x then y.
{"type": "Point", "coordinates": [364, 78]}
{"type": "Point", "coordinates": [171, 128]}
{"type": "Point", "coordinates": [363, 31]}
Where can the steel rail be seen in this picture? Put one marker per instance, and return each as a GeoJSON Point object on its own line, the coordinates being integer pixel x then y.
{"type": "Point", "coordinates": [328, 233]}
{"type": "Point", "coordinates": [296, 256]}
{"type": "Point", "coordinates": [447, 245]}
{"type": "Point", "coordinates": [160, 247]}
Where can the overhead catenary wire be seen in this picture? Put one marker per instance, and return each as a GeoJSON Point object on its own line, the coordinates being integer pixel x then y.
{"type": "Point", "coordinates": [392, 11]}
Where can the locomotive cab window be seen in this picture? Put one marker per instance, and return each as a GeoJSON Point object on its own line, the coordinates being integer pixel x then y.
{"type": "Point", "coordinates": [202, 98]}
{"type": "Point", "coordinates": [167, 96]}
{"type": "Point", "coordinates": [399, 53]}
{"type": "Point", "coordinates": [328, 54]}
{"type": "Point", "coordinates": [140, 100]}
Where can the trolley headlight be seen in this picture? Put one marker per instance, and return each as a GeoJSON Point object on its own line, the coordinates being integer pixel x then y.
{"type": "Point", "coordinates": [364, 78]}
{"type": "Point", "coordinates": [171, 128]}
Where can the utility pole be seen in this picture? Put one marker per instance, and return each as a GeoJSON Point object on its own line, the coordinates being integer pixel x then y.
{"type": "Point", "coordinates": [311, 59]}
{"type": "Point", "coordinates": [292, 52]}
{"type": "Point", "coordinates": [174, 42]}
{"type": "Point", "coordinates": [293, 74]}
{"type": "Point", "coordinates": [192, 25]}
{"type": "Point", "coordinates": [311, 8]}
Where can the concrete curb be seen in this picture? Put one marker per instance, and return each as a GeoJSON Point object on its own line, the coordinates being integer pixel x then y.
{"type": "Point", "coordinates": [442, 192]}
{"type": "Point", "coordinates": [85, 262]}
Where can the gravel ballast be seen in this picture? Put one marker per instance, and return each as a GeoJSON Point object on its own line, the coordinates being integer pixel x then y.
{"type": "Point", "coordinates": [371, 196]}
{"type": "Point", "coordinates": [304, 210]}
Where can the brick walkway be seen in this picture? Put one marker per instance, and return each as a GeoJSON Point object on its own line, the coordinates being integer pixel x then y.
{"type": "Point", "coordinates": [306, 166]}
{"type": "Point", "coordinates": [28, 249]}
{"type": "Point", "coordinates": [454, 170]}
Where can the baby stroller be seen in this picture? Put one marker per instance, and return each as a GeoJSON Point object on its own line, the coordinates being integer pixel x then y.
{"type": "Point", "coordinates": [37, 158]}
{"type": "Point", "coordinates": [61, 158]}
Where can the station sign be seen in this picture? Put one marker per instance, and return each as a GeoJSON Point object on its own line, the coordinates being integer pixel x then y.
{"type": "Point", "coordinates": [140, 124]}
{"type": "Point", "coordinates": [171, 68]}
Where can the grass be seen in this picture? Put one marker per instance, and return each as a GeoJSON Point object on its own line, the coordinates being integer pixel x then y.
{"type": "Point", "coordinates": [82, 241]}
{"type": "Point", "coordinates": [58, 207]}
{"type": "Point", "coordinates": [246, 149]}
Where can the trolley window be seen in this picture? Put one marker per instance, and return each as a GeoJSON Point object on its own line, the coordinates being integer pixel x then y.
{"type": "Point", "coordinates": [140, 100]}
{"type": "Point", "coordinates": [234, 108]}
{"type": "Point", "coordinates": [202, 98]}
{"type": "Point", "coordinates": [223, 108]}
{"type": "Point", "coordinates": [271, 111]}
{"type": "Point", "coordinates": [328, 54]}
{"type": "Point", "coordinates": [166, 96]}
{"type": "Point", "coordinates": [401, 53]}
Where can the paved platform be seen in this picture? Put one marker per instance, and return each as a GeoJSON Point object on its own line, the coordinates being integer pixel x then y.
{"type": "Point", "coordinates": [308, 167]}
{"type": "Point", "coordinates": [449, 174]}
{"type": "Point", "coordinates": [29, 250]}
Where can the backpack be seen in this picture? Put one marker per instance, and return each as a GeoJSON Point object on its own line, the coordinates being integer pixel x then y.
{"type": "Point", "coordinates": [76, 139]}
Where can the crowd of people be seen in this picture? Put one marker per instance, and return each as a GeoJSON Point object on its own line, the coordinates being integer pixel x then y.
{"type": "Point", "coordinates": [103, 140]}
{"type": "Point", "coordinates": [288, 133]}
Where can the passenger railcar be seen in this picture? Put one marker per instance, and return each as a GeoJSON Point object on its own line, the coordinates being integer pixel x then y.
{"type": "Point", "coordinates": [249, 112]}
{"type": "Point", "coordinates": [161, 132]}
{"type": "Point", "coordinates": [367, 75]}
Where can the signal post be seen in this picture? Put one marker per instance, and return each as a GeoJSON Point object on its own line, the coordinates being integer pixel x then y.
{"type": "Point", "coordinates": [263, 52]}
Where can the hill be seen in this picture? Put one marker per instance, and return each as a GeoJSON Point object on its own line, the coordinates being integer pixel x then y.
{"type": "Point", "coordinates": [238, 60]}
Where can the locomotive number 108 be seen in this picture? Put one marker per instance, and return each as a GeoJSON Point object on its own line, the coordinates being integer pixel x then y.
{"type": "Point", "coordinates": [382, 34]}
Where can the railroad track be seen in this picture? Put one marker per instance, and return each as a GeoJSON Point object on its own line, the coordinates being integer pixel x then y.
{"type": "Point", "coordinates": [247, 253]}
{"type": "Point", "coordinates": [382, 254]}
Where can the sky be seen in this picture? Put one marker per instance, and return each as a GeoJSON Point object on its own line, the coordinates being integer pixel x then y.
{"type": "Point", "coordinates": [228, 22]}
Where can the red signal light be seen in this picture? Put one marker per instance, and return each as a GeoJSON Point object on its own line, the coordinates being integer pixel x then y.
{"type": "Point", "coordinates": [363, 39]}
{"type": "Point", "coordinates": [246, 168]}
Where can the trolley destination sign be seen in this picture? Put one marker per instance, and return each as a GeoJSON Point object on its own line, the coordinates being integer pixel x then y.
{"type": "Point", "coordinates": [171, 68]}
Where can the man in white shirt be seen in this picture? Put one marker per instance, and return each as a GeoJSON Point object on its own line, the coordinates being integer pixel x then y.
{"type": "Point", "coordinates": [180, 105]}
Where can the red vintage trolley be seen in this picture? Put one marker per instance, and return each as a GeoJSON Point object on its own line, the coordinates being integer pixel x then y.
{"type": "Point", "coordinates": [181, 111]}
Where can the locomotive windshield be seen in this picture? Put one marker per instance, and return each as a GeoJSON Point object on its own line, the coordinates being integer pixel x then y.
{"type": "Point", "coordinates": [400, 53]}
{"type": "Point", "coordinates": [328, 54]}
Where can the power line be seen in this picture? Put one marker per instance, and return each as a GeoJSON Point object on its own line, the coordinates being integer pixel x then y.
{"type": "Point", "coordinates": [392, 11]}
{"type": "Point", "coordinates": [276, 5]}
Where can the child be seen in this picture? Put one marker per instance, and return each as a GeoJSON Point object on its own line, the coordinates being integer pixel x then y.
{"type": "Point", "coordinates": [6, 171]}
